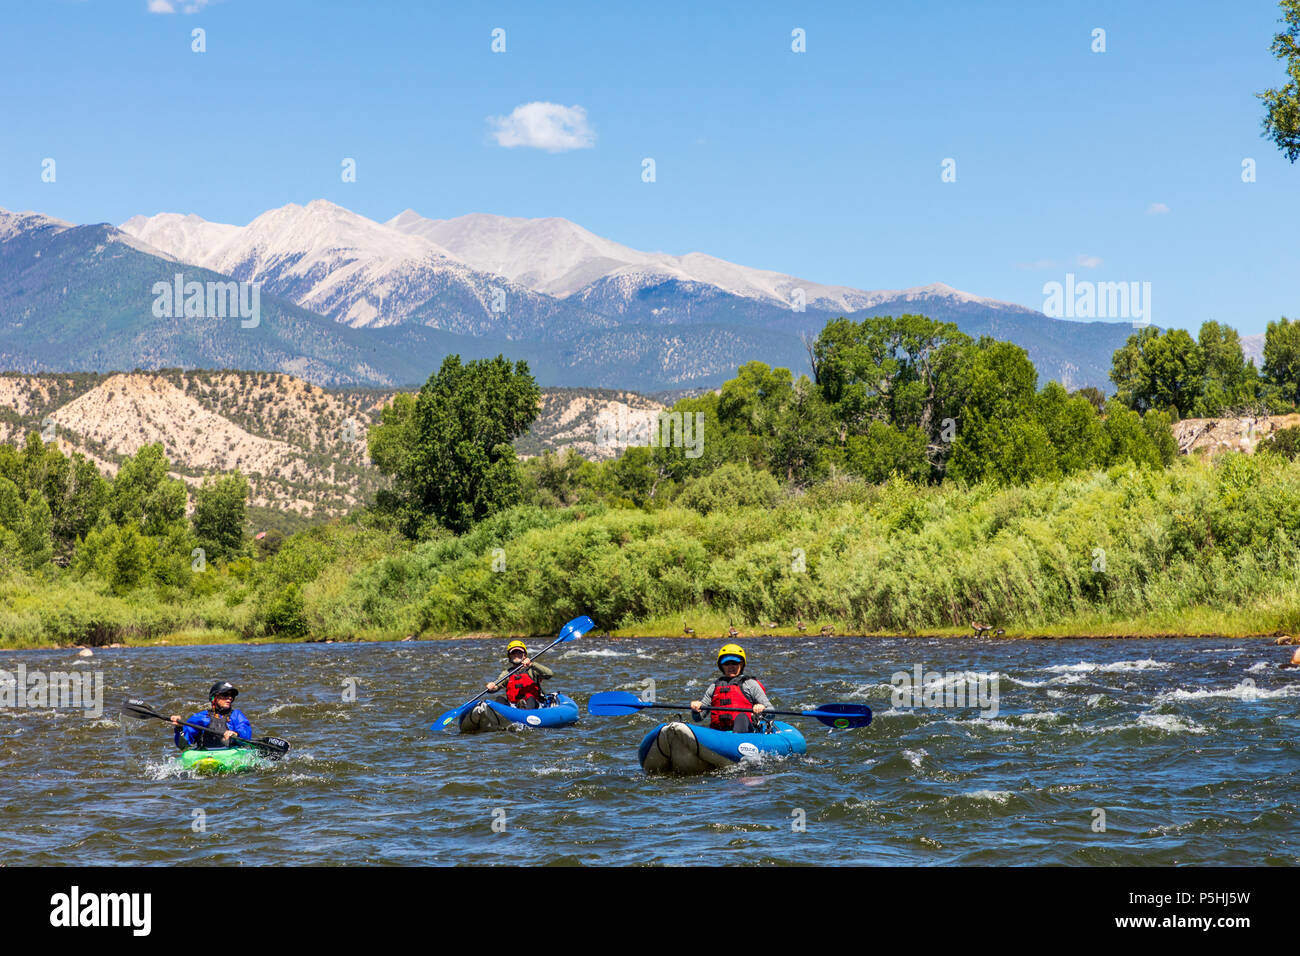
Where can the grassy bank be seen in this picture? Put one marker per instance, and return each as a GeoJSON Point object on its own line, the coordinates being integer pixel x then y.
{"type": "Point", "coordinates": [1192, 549]}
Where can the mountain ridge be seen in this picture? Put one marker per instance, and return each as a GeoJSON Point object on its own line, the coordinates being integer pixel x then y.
{"type": "Point", "coordinates": [353, 302]}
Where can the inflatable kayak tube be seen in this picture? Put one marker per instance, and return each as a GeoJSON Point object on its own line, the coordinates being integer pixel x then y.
{"type": "Point", "coordinates": [491, 715]}
{"type": "Point", "coordinates": [223, 760]}
{"type": "Point", "coordinates": [679, 747]}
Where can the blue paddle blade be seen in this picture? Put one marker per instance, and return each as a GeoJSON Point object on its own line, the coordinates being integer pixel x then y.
{"type": "Point", "coordinates": [575, 629]}
{"type": "Point", "coordinates": [615, 703]}
{"type": "Point", "coordinates": [450, 720]}
{"type": "Point", "coordinates": [842, 716]}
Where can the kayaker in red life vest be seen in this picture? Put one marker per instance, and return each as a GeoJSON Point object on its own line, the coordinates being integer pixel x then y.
{"type": "Point", "coordinates": [733, 690]}
{"type": "Point", "coordinates": [524, 689]}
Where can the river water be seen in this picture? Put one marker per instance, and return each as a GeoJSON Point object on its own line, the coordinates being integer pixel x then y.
{"type": "Point", "coordinates": [1099, 752]}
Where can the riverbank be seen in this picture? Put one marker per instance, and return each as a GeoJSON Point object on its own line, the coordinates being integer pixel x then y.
{"type": "Point", "coordinates": [1197, 549]}
{"type": "Point", "coordinates": [1101, 631]}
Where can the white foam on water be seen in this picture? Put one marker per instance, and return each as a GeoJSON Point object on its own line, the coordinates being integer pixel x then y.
{"type": "Point", "coordinates": [1115, 667]}
{"type": "Point", "coordinates": [959, 677]}
{"type": "Point", "coordinates": [1169, 723]}
{"type": "Point", "coordinates": [1256, 668]}
{"type": "Point", "coordinates": [997, 796]}
{"type": "Point", "coordinates": [1023, 722]}
{"type": "Point", "coordinates": [306, 778]}
{"type": "Point", "coordinates": [601, 652]}
{"type": "Point", "coordinates": [1025, 683]}
{"type": "Point", "coordinates": [892, 712]}
{"type": "Point", "coordinates": [1119, 667]}
{"type": "Point", "coordinates": [1243, 691]}
{"type": "Point", "coordinates": [547, 771]}
{"type": "Point", "coordinates": [1081, 667]}
{"type": "Point", "coordinates": [1096, 699]}
{"type": "Point", "coordinates": [155, 770]}
{"type": "Point", "coordinates": [914, 757]}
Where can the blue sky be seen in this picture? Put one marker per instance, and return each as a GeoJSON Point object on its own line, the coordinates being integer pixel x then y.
{"type": "Point", "coordinates": [824, 164]}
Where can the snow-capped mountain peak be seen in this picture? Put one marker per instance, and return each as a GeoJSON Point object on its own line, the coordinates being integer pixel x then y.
{"type": "Point", "coordinates": [561, 258]}
{"type": "Point", "coordinates": [338, 263]}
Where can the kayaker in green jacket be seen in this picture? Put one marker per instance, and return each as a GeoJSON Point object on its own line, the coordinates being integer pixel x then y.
{"type": "Point", "coordinates": [733, 690]}
{"type": "Point", "coordinates": [524, 688]}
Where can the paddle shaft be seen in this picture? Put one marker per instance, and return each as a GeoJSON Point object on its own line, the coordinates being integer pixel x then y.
{"type": "Point", "coordinates": [837, 716]}
{"type": "Point", "coordinates": [738, 710]}
{"type": "Point", "coordinates": [140, 710]}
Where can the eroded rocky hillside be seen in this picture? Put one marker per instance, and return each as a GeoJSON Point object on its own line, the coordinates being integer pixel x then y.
{"type": "Point", "coordinates": [302, 447]}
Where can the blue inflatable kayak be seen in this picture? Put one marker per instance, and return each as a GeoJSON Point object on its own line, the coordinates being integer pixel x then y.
{"type": "Point", "coordinates": [492, 715]}
{"type": "Point", "coordinates": [679, 747]}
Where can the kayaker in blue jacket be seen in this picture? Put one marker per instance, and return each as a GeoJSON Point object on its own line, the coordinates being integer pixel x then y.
{"type": "Point", "coordinates": [223, 720]}
{"type": "Point", "coordinates": [733, 690]}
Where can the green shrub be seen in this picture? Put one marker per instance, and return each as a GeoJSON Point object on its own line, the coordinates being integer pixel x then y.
{"type": "Point", "coordinates": [731, 486]}
{"type": "Point", "coordinates": [1284, 442]}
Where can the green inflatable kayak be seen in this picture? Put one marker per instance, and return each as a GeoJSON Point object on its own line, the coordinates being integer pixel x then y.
{"type": "Point", "coordinates": [224, 760]}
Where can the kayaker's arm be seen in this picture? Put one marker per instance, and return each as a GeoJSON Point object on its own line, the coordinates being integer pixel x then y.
{"type": "Point", "coordinates": [542, 672]}
{"type": "Point", "coordinates": [704, 698]}
{"type": "Point", "coordinates": [754, 691]}
{"type": "Point", "coordinates": [241, 725]}
{"type": "Point", "coordinates": [188, 736]}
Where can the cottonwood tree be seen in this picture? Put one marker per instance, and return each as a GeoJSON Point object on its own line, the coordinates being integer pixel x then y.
{"type": "Point", "coordinates": [1282, 105]}
{"type": "Point", "coordinates": [448, 450]}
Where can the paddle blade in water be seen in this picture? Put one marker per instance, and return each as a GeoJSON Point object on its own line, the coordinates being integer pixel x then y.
{"type": "Point", "coordinates": [450, 720]}
{"type": "Point", "coordinates": [275, 747]}
{"type": "Point", "coordinates": [614, 703]}
{"type": "Point", "coordinates": [842, 716]}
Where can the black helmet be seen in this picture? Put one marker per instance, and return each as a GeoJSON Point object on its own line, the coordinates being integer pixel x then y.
{"type": "Point", "coordinates": [223, 687]}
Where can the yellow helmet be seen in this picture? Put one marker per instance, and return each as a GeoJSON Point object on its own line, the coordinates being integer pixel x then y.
{"type": "Point", "coordinates": [516, 645]}
{"type": "Point", "coordinates": [731, 650]}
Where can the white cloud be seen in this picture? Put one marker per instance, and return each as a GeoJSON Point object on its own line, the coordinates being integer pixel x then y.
{"type": "Point", "coordinates": [1157, 209]}
{"type": "Point", "coordinates": [547, 126]}
{"type": "Point", "coordinates": [167, 6]}
{"type": "Point", "coordinates": [1089, 262]}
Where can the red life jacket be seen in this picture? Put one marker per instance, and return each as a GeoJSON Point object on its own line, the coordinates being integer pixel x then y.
{"type": "Point", "coordinates": [727, 694]}
{"type": "Point", "coordinates": [522, 686]}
